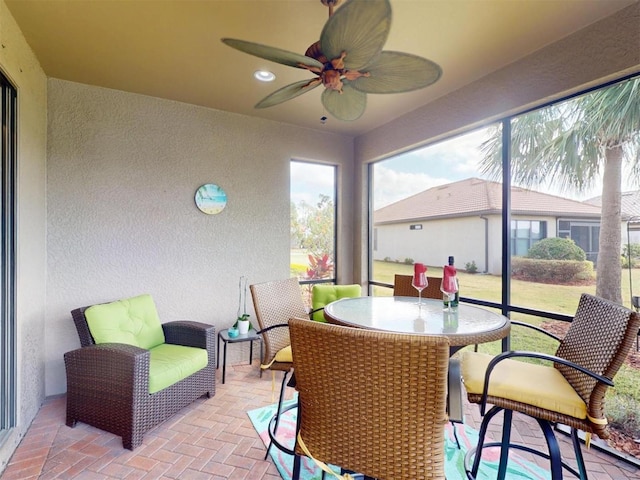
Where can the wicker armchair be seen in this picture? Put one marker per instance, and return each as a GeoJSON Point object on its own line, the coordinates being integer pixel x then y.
{"type": "Point", "coordinates": [402, 287]}
{"type": "Point", "coordinates": [275, 303]}
{"type": "Point", "coordinates": [569, 392]}
{"type": "Point", "coordinates": [384, 414]}
{"type": "Point", "coordinates": [108, 383]}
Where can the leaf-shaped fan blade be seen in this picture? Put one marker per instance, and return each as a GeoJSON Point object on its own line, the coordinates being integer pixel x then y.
{"type": "Point", "coordinates": [348, 105]}
{"type": "Point", "coordinates": [396, 72]}
{"type": "Point", "coordinates": [359, 28]}
{"type": "Point", "coordinates": [274, 54]}
{"type": "Point", "coordinates": [287, 93]}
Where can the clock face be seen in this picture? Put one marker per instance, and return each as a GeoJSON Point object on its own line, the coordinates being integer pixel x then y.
{"type": "Point", "coordinates": [211, 199]}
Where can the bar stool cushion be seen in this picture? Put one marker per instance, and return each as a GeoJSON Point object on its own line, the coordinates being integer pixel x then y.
{"type": "Point", "coordinates": [537, 385]}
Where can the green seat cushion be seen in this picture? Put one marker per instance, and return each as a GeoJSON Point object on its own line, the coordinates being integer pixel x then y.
{"type": "Point", "coordinates": [171, 363]}
{"type": "Point", "coordinates": [537, 385]}
{"type": "Point", "coordinates": [133, 321]}
{"type": "Point", "coordinates": [322, 295]}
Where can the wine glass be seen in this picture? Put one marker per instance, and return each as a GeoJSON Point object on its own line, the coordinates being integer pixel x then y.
{"type": "Point", "coordinates": [449, 287]}
{"type": "Point", "coordinates": [419, 280]}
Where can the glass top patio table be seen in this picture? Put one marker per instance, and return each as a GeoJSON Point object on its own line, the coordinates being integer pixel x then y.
{"type": "Point", "coordinates": [464, 325]}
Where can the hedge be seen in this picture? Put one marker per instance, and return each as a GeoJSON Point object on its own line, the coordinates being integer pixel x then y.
{"type": "Point", "coordinates": [563, 272]}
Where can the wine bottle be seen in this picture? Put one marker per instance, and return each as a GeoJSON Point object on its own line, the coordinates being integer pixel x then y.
{"type": "Point", "coordinates": [456, 299]}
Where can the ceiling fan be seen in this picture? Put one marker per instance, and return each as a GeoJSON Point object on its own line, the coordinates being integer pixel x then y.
{"type": "Point", "coordinates": [348, 60]}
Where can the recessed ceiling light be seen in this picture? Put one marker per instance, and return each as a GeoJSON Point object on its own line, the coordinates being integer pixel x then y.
{"type": "Point", "coordinates": [264, 76]}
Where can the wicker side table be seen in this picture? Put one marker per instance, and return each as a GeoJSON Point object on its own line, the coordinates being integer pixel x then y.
{"type": "Point", "coordinates": [223, 335]}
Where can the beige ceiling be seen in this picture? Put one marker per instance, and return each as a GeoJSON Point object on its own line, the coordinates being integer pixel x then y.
{"type": "Point", "coordinates": [171, 48]}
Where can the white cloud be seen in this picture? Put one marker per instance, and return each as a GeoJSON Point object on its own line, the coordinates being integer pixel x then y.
{"type": "Point", "coordinates": [391, 186]}
{"type": "Point", "coordinates": [309, 180]}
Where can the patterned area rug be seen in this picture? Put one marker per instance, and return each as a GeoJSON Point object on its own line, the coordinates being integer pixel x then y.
{"type": "Point", "coordinates": [518, 469]}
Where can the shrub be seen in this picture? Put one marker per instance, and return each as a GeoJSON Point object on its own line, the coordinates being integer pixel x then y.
{"type": "Point", "coordinates": [552, 271]}
{"type": "Point", "coordinates": [320, 266]}
{"type": "Point", "coordinates": [471, 267]}
{"type": "Point", "coordinates": [556, 248]}
{"type": "Point", "coordinates": [408, 261]}
{"type": "Point", "coordinates": [634, 248]}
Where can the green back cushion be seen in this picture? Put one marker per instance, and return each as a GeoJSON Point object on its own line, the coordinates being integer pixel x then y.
{"type": "Point", "coordinates": [322, 295]}
{"type": "Point", "coordinates": [133, 321]}
{"type": "Point", "coordinates": [171, 363]}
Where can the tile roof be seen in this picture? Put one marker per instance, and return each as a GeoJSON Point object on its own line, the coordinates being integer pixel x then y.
{"type": "Point", "coordinates": [474, 196]}
{"type": "Point", "coordinates": [630, 204]}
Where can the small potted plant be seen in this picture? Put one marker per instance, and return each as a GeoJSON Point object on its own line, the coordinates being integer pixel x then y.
{"type": "Point", "coordinates": [242, 320]}
{"type": "Point", "coordinates": [243, 324]}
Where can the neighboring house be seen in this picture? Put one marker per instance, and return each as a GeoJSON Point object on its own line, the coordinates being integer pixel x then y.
{"type": "Point", "coordinates": [464, 219]}
{"type": "Point", "coordinates": [630, 215]}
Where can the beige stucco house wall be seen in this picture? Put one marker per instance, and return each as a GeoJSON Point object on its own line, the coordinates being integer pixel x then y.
{"type": "Point", "coordinates": [472, 239]}
{"type": "Point", "coordinates": [122, 173]}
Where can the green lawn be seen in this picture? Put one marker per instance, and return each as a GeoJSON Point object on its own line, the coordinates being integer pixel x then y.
{"type": "Point", "coordinates": [552, 298]}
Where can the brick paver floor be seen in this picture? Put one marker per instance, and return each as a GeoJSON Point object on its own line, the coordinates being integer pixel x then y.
{"type": "Point", "coordinates": [210, 439]}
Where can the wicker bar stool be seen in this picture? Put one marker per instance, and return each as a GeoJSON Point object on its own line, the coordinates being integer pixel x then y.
{"type": "Point", "coordinates": [369, 401]}
{"type": "Point", "coordinates": [570, 391]}
{"type": "Point", "coordinates": [275, 303]}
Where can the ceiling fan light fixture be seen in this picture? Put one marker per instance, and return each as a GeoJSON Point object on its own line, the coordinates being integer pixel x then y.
{"type": "Point", "coordinates": [264, 75]}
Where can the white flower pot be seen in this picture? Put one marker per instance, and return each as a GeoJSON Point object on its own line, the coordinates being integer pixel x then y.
{"type": "Point", "coordinates": [243, 326]}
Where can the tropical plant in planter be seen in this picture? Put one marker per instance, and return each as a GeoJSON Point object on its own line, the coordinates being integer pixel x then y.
{"type": "Point", "coordinates": [243, 324]}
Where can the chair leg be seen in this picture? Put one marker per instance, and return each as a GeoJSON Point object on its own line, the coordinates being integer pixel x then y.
{"type": "Point", "coordinates": [296, 468]}
{"type": "Point", "coordinates": [278, 411]}
{"type": "Point", "coordinates": [477, 451]}
{"type": "Point", "coordinates": [506, 442]}
{"type": "Point", "coordinates": [578, 451]}
{"type": "Point", "coordinates": [554, 456]}
{"type": "Point", "coordinates": [554, 449]}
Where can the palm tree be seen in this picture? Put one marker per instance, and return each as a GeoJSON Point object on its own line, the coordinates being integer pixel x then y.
{"type": "Point", "coordinates": [572, 144]}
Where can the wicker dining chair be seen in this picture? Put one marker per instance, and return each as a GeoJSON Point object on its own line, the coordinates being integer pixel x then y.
{"type": "Point", "coordinates": [275, 302]}
{"type": "Point", "coordinates": [402, 287]}
{"type": "Point", "coordinates": [384, 415]}
{"type": "Point", "coordinates": [569, 392]}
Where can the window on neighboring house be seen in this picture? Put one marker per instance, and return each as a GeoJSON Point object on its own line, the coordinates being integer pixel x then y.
{"type": "Point", "coordinates": [8, 349]}
{"type": "Point", "coordinates": [524, 233]}
{"type": "Point", "coordinates": [585, 234]}
{"type": "Point", "coordinates": [313, 223]}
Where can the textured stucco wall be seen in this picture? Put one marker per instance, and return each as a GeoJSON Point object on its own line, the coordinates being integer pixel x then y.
{"type": "Point", "coordinates": [122, 173]}
{"type": "Point", "coordinates": [20, 66]}
{"type": "Point", "coordinates": [604, 51]}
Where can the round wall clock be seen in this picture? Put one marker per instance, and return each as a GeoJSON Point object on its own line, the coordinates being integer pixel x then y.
{"type": "Point", "coordinates": [211, 199]}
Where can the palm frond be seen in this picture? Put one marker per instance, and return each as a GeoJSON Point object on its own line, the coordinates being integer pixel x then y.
{"type": "Point", "coordinates": [347, 106]}
{"type": "Point", "coordinates": [287, 93]}
{"type": "Point", "coordinates": [360, 28]}
{"type": "Point", "coordinates": [396, 72]}
{"type": "Point", "coordinates": [277, 55]}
